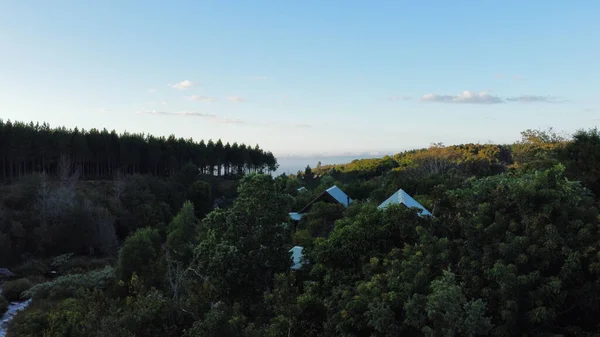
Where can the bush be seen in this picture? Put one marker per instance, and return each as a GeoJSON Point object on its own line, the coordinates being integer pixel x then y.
{"type": "Point", "coordinates": [81, 264]}
{"type": "Point", "coordinates": [32, 267]}
{"type": "Point", "coordinates": [3, 305]}
{"type": "Point", "coordinates": [68, 285]}
{"type": "Point", "coordinates": [12, 290]}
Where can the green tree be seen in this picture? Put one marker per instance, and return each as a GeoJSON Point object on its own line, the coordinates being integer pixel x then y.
{"type": "Point", "coordinates": [140, 255]}
{"type": "Point", "coordinates": [246, 245]}
{"type": "Point", "coordinates": [583, 155]}
{"type": "Point", "coordinates": [199, 193]}
{"type": "Point", "coordinates": [182, 234]}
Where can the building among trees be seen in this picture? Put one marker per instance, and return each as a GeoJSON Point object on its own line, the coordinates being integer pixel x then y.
{"type": "Point", "coordinates": [333, 194]}
{"type": "Point", "coordinates": [403, 198]}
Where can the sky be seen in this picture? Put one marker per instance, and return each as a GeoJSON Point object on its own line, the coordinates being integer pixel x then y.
{"type": "Point", "coordinates": [304, 78]}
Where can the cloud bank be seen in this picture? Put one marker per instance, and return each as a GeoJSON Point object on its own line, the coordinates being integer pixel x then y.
{"type": "Point", "coordinates": [470, 97]}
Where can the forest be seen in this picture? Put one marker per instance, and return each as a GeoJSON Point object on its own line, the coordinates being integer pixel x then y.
{"type": "Point", "coordinates": [512, 247]}
{"type": "Point", "coordinates": [98, 154]}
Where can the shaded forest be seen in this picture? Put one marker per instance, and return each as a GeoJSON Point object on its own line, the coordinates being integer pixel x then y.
{"type": "Point", "coordinates": [100, 154]}
{"type": "Point", "coordinates": [512, 249]}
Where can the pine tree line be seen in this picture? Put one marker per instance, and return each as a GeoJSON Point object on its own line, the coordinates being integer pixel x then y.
{"type": "Point", "coordinates": [30, 148]}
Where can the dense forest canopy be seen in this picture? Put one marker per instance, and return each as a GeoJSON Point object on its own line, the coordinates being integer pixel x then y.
{"type": "Point", "coordinates": [512, 248]}
{"type": "Point", "coordinates": [28, 148]}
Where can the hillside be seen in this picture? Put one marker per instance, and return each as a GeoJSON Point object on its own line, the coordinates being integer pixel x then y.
{"type": "Point", "coordinates": [512, 248]}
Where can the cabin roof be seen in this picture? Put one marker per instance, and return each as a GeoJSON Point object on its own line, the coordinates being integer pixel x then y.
{"type": "Point", "coordinates": [335, 193]}
{"type": "Point", "coordinates": [401, 197]}
{"type": "Point", "coordinates": [296, 257]}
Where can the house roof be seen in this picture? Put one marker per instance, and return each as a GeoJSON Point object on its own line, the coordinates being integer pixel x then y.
{"type": "Point", "coordinates": [339, 195]}
{"type": "Point", "coordinates": [401, 197]}
{"type": "Point", "coordinates": [335, 193]}
{"type": "Point", "coordinates": [296, 257]}
{"type": "Point", "coordinates": [295, 216]}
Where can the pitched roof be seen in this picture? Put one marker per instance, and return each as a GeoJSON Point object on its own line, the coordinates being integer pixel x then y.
{"type": "Point", "coordinates": [335, 193]}
{"type": "Point", "coordinates": [401, 197]}
{"type": "Point", "coordinates": [296, 257]}
{"type": "Point", "coordinates": [339, 195]}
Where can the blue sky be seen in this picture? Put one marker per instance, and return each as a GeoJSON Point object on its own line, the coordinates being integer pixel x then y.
{"type": "Point", "coordinates": [304, 77]}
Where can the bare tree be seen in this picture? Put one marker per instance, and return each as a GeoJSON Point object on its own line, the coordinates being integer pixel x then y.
{"type": "Point", "coordinates": [119, 183]}
{"type": "Point", "coordinates": [68, 173]}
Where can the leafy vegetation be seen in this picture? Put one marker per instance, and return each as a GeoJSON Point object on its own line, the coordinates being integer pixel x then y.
{"type": "Point", "coordinates": [512, 249]}
{"type": "Point", "coordinates": [13, 290]}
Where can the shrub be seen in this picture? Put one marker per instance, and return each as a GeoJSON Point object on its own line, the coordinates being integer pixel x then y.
{"type": "Point", "coordinates": [12, 290]}
{"type": "Point", "coordinates": [32, 267]}
{"type": "Point", "coordinates": [3, 305]}
{"type": "Point", "coordinates": [68, 285]}
{"type": "Point", "coordinates": [82, 264]}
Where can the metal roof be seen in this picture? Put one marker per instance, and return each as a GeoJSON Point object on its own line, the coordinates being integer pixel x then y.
{"type": "Point", "coordinates": [334, 192]}
{"type": "Point", "coordinates": [401, 197]}
{"type": "Point", "coordinates": [296, 257]}
{"type": "Point", "coordinates": [339, 195]}
{"type": "Point", "coordinates": [296, 216]}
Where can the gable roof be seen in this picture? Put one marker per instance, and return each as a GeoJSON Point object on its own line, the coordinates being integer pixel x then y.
{"type": "Point", "coordinates": [339, 195]}
{"type": "Point", "coordinates": [296, 257]}
{"type": "Point", "coordinates": [334, 193]}
{"type": "Point", "coordinates": [401, 197]}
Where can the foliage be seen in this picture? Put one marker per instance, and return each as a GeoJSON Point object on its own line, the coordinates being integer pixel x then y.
{"type": "Point", "coordinates": [245, 246]}
{"type": "Point", "coordinates": [182, 233]}
{"type": "Point", "coordinates": [14, 290]}
{"type": "Point", "coordinates": [28, 148]}
{"type": "Point", "coordinates": [91, 313]}
{"type": "Point", "coordinates": [320, 219]}
{"type": "Point", "coordinates": [513, 250]}
{"type": "Point", "coordinates": [583, 155]}
{"type": "Point", "coordinates": [140, 256]}
{"type": "Point", "coordinates": [199, 193]}
{"type": "Point", "coordinates": [68, 285]}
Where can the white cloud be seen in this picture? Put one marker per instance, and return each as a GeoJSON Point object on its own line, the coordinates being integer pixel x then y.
{"type": "Point", "coordinates": [469, 97]}
{"type": "Point", "coordinates": [202, 98]}
{"type": "Point", "coordinates": [151, 90]}
{"type": "Point", "coordinates": [260, 78]}
{"type": "Point", "coordinates": [183, 85]}
{"type": "Point", "coordinates": [466, 97]}
{"type": "Point", "coordinates": [236, 99]}
{"type": "Point", "coordinates": [535, 99]}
